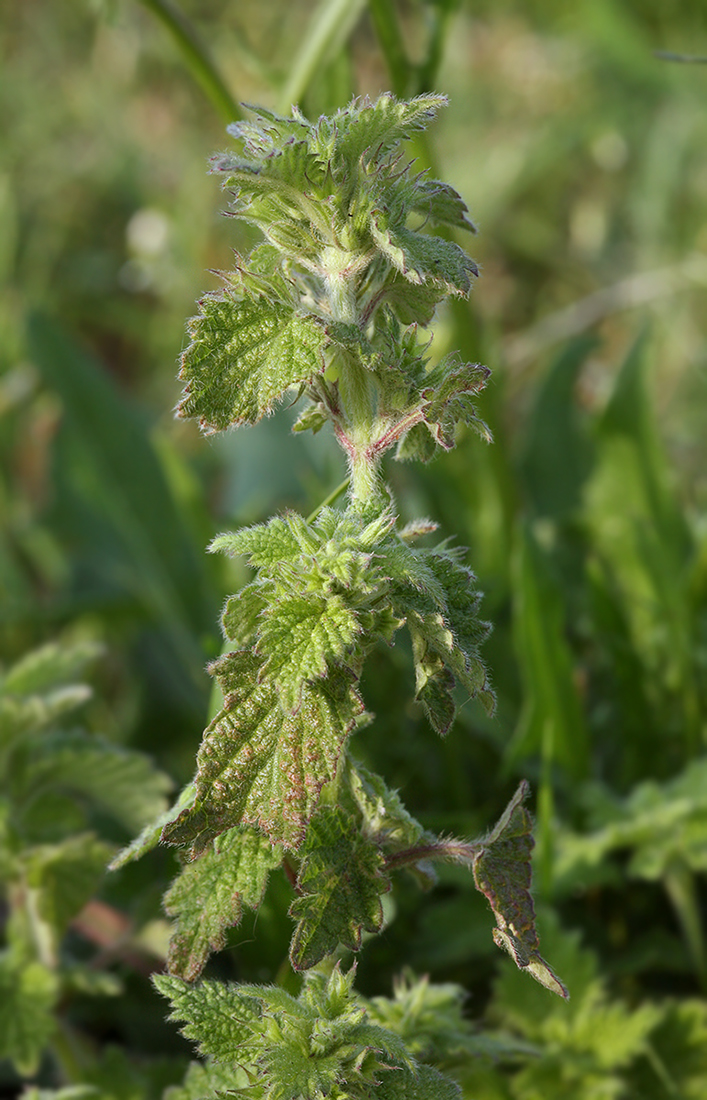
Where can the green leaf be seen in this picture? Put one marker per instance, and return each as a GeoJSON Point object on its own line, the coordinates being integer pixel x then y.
{"type": "Point", "coordinates": [64, 876]}
{"type": "Point", "coordinates": [423, 259]}
{"type": "Point", "coordinates": [411, 303]}
{"type": "Point", "coordinates": [417, 445]}
{"type": "Point", "coordinates": [385, 819]}
{"type": "Point", "coordinates": [340, 883]}
{"type": "Point", "coordinates": [448, 399]}
{"type": "Point", "coordinates": [319, 1044]}
{"type": "Point", "coordinates": [678, 1046]}
{"type": "Point", "coordinates": [430, 1019]}
{"type": "Point", "coordinates": [220, 1018]}
{"type": "Point", "coordinates": [267, 545]}
{"type": "Point", "coordinates": [662, 825]}
{"type": "Point", "coordinates": [301, 639]}
{"type": "Point", "coordinates": [442, 205]}
{"type": "Point", "coordinates": [260, 767]}
{"type": "Point", "coordinates": [312, 418]}
{"type": "Point", "coordinates": [241, 616]}
{"type": "Point", "coordinates": [23, 716]}
{"type": "Point", "coordinates": [369, 130]}
{"type": "Point", "coordinates": [502, 872]}
{"type": "Point", "coordinates": [53, 665]}
{"type": "Point", "coordinates": [121, 782]}
{"type": "Point", "coordinates": [596, 1045]}
{"type": "Point", "coordinates": [208, 896]}
{"type": "Point", "coordinates": [28, 994]}
{"type": "Point", "coordinates": [437, 597]}
{"type": "Point", "coordinates": [244, 355]}
{"type": "Point", "coordinates": [209, 1081]}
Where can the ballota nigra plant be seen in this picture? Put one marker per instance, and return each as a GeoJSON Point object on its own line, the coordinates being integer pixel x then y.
{"type": "Point", "coordinates": [329, 306]}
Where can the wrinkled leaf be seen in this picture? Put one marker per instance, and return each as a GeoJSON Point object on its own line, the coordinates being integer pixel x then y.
{"type": "Point", "coordinates": [208, 896]}
{"type": "Point", "coordinates": [340, 883]}
{"type": "Point", "coordinates": [502, 872]}
{"type": "Point", "coordinates": [259, 767]}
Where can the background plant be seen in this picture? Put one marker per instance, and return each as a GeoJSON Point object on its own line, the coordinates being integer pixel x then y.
{"type": "Point", "coordinates": [583, 159]}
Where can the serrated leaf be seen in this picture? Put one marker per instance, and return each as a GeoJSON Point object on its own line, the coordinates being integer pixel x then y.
{"type": "Point", "coordinates": [434, 686]}
{"type": "Point", "coordinates": [22, 716]}
{"type": "Point", "coordinates": [412, 303]}
{"type": "Point", "coordinates": [208, 896]}
{"type": "Point", "coordinates": [64, 876]}
{"type": "Point", "coordinates": [385, 818]}
{"type": "Point", "coordinates": [219, 1017]}
{"type": "Point", "coordinates": [301, 638]}
{"type": "Point", "coordinates": [462, 600]}
{"type": "Point", "coordinates": [267, 545]}
{"type": "Point", "coordinates": [423, 259]}
{"type": "Point", "coordinates": [260, 767]}
{"type": "Point", "coordinates": [442, 205]}
{"type": "Point", "coordinates": [374, 128]}
{"type": "Point", "coordinates": [319, 1044]}
{"type": "Point", "coordinates": [417, 445]}
{"type": "Point", "coordinates": [28, 994]}
{"type": "Point", "coordinates": [502, 872]}
{"type": "Point", "coordinates": [386, 821]}
{"type": "Point", "coordinates": [242, 614]}
{"type": "Point", "coordinates": [340, 881]}
{"type": "Point", "coordinates": [243, 356]}
{"type": "Point", "coordinates": [448, 399]}
{"type": "Point", "coordinates": [121, 782]}
{"type": "Point", "coordinates": [48, 667]}
{"type": "Point", "coordinates": [209, 1081]}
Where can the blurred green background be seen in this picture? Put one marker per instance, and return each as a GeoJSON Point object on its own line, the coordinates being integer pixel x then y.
{"type": "Point", "coordinates": [583, 158]}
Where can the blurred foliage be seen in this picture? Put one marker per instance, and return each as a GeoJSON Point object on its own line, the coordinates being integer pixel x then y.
{"type": "Point", "coordinates": [583, 158]}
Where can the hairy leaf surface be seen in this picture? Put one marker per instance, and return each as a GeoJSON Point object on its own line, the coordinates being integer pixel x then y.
{"type": "Point", "coordinates": [208, 896]}
{"type": "Point", "coordinates": [340, 881]}
{"type": "Point", "coordinates": [243, 356]}
{"type": "Point", "coordinates": [302, 639]}
{"type": "Point", "coordinates": [502, 872]}
{"type": "Point", "coordinates": [319, 1044]}
{"type": "Point", "coordinates": [259, 767]}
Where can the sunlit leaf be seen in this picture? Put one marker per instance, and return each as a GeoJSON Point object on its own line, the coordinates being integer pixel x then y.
{"type": "Point", "coordinates": [208, 896]}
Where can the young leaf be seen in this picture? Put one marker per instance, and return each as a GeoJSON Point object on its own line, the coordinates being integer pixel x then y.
{"type": "Point", "coordinates": [340, 883]}
{"type": "Point", "coordinates": [369, 130]}
{"type": "Point", "coordinates": [300, 640]}
{"type": "Point", "coordinates": [208, 896]}
{"type": "Point", "coordinates": [242, 614]}
{"type": "Point", "coordinates": [502, 872]}
{"type": "Point", "coordinates": [260, 767]}
{"type": "Point", "coordinates": [321, 1044]}
{"type": "Point", "coordinates": [442, 205]}
{"type": "Point", "coordinates": [207, 1081]}
{"type": "Point", "coordinates": [219, 1017]}
{"type": "Point", "coordinates": [423, 259]}
{"type": "Point", "coordinates": [243, 356]}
